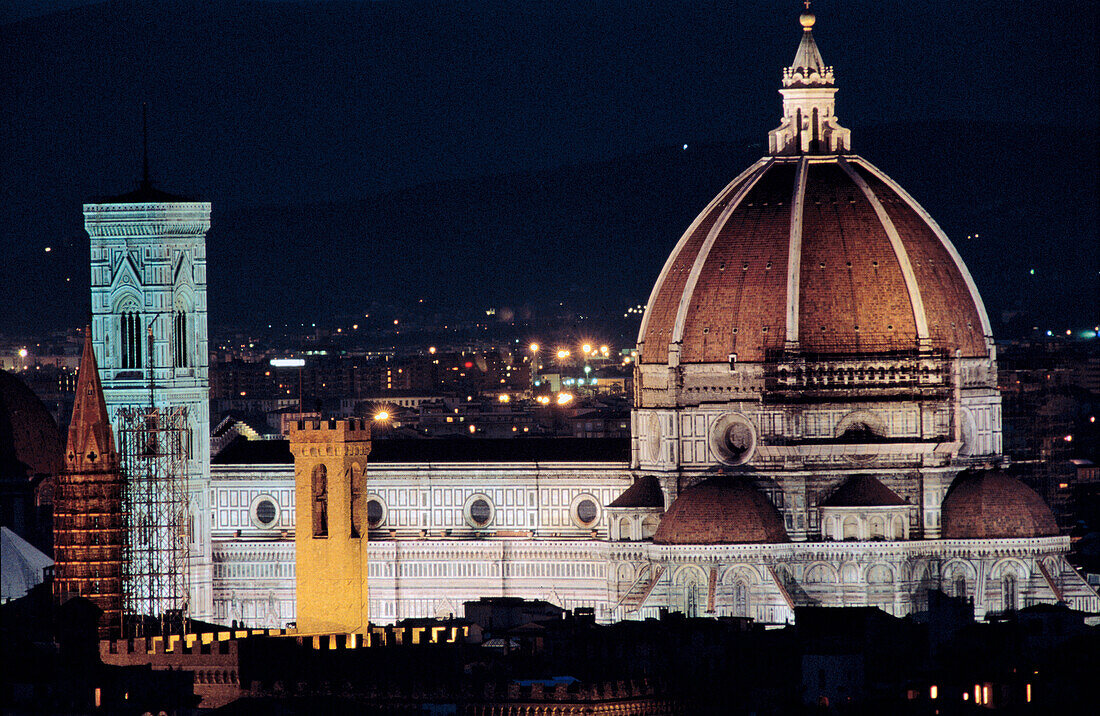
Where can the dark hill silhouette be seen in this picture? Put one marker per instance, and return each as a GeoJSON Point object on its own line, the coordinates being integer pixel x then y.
{"type": "Point", "coordinates": [286, 105]}
{"type": "Point", "coordinates": [597, 234]}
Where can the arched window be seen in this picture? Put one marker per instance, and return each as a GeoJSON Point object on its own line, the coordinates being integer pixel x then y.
{"type": "Point", "coordinates": [691, 599]}
{"type": "Point", "coordinates": [960, 586]}
{"type": "Point", "coordinates": [180, 339]}
{"type": "Point", "coordinates": [899, 529]}
{"type": "Point", "coordinates": [1008, 591]}
{"type": "Point", "coordinates": [877, 531]}
{"type": "Point", "coordinates": [851, 528]}
{"type": "Point", "coordinates": [320, 501]}
{"type": "Point", "coordinates": [625, 533]}
{"type": "Point", "coordinates": [649, 526]}
{"type": "Point", "coordinates": [356, 476]}
{"type": "Point", "coordinates": [130, 339]}
{"type": "Point", "coordinates": [740, 599]}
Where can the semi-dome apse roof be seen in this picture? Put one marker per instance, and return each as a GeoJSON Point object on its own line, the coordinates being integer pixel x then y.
{"type": "Point", "coordinates": [989, 504]}
{"type": "Point", "coordinates": [721, 510]}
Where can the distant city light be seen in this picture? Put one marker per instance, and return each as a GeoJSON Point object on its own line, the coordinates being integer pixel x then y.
{"type": "Point", "coordinates": [543, 399]}
{"type": "Point", "coordinates": [473, 429]}
{"type": "Point", "coordinates": [604, 349]}
{"type": "Point", "coordinates": [48, 249]}
{"type": "Point", "coordinates": [562, 353]}
{"type": "Point", "coordinates": [1068, 438]}
{"type": "Point", "coordinates": [534, 347]}
{"type": "Point", "coordinates": [685, 147]}
{"type": "Point", "coordinates": [1032, 272]}
{"type": "Point", "coordinates": [381, 416]}
{"type": "Point", "coordinates": [288, 362]}
{"type": "Point", "coordinates": [431, 349]}
{"type": "Point", "coordinates": [564, 398]}
{"type": "Point", "coordinates": [587, 348]}
{"type": "Point", "coordinates": [22, 352]}
{"type": "Point", "coordinates": [503, 397]}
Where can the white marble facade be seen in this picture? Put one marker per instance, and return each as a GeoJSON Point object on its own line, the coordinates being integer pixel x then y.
{"type": "Point", "coordinates": [427, 556]}
{"type": "Point", "coordinates": [148, 278]}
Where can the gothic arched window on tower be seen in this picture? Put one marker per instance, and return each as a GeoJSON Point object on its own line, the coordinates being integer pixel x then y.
{"type": "Point", "coordinates": [130, 340]}
{"type": "Point", "coordinates": [320, 501]}
{"type": "Point", "coordinates": [355, 474]}
{"type": "Point", "coordinates": [180, 339]}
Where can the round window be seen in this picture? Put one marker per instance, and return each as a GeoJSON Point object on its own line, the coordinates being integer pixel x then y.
{"type": "Point", "coordinates": [587, 511]}
{"type": "Point", "coordinates": [738, 439]}
{"type": "Point", "coordinates": [480, 512]}
{"type": "Point", "coordinates": [733, 439]}
{"type": "Point", "coordinates": [266, 512]}
{"type": "Point", "coordinates": [375, 514]}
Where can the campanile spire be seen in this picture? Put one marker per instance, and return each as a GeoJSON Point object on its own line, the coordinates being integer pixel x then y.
{"type": "Point", "coordinates": [809, 125]}
{"type": "Point", "coordinates": [88, 506]}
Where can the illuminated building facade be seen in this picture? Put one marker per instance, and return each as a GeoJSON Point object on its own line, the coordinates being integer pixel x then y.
{"type": "Point", "coordinates": [148, 254]}
{"type": "Point", "coordinates": [88, 505]}
{"type": "Point", "coordinates": [816, 422]}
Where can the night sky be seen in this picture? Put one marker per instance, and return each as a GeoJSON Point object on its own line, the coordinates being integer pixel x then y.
{"type": "Point", "coordinates": [298, 115]}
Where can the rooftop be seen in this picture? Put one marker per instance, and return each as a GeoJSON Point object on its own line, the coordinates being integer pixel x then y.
{"type": "Point", "coordinates": [472, 450]}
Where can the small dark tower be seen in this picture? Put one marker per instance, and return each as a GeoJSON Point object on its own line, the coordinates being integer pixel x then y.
{"type": "Point", "coordinates": [88, 504]}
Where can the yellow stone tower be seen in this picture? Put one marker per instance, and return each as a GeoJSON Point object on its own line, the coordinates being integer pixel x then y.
{"type": "Point", "coordinates": [330, 460]}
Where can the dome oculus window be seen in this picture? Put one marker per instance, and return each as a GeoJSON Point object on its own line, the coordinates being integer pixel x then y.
{"type": "Point", "coordinates": [733, 439]}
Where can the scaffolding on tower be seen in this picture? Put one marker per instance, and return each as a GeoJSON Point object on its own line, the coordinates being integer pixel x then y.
{"type": "Point", "coordinates": [153, 447]}
{"type": "Point", "coordinates": [155, 512]}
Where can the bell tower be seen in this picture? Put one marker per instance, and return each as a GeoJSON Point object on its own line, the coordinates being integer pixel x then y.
{"type": "Point", "coordinates": [148, 281]}
{"type": "Point", "coordinates": [330, 539]}
{"type": "Point", "coordinates": [88, 505]}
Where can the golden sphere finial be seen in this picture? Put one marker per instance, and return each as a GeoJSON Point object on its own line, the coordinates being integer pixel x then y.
{"type": "Point", "coordinates": [807, 19]}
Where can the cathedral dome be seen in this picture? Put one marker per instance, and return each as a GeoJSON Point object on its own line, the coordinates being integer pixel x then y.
{"type": "Point", "coordinates": [814, 250]}
{"type": "Point", "coordinates": [988, 504]}
{"type": "Point", "coordinates": [823, 253]}
{"type": "Point", "coordinates": [28, 433]}
{"type": "Point", "coordinates": [721, 511]}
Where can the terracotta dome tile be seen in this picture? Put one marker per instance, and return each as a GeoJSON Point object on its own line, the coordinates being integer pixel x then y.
{"type": "Point", "coordinates": [721, 510]}
{"type": "Point", "coordinates": [989, 504]}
